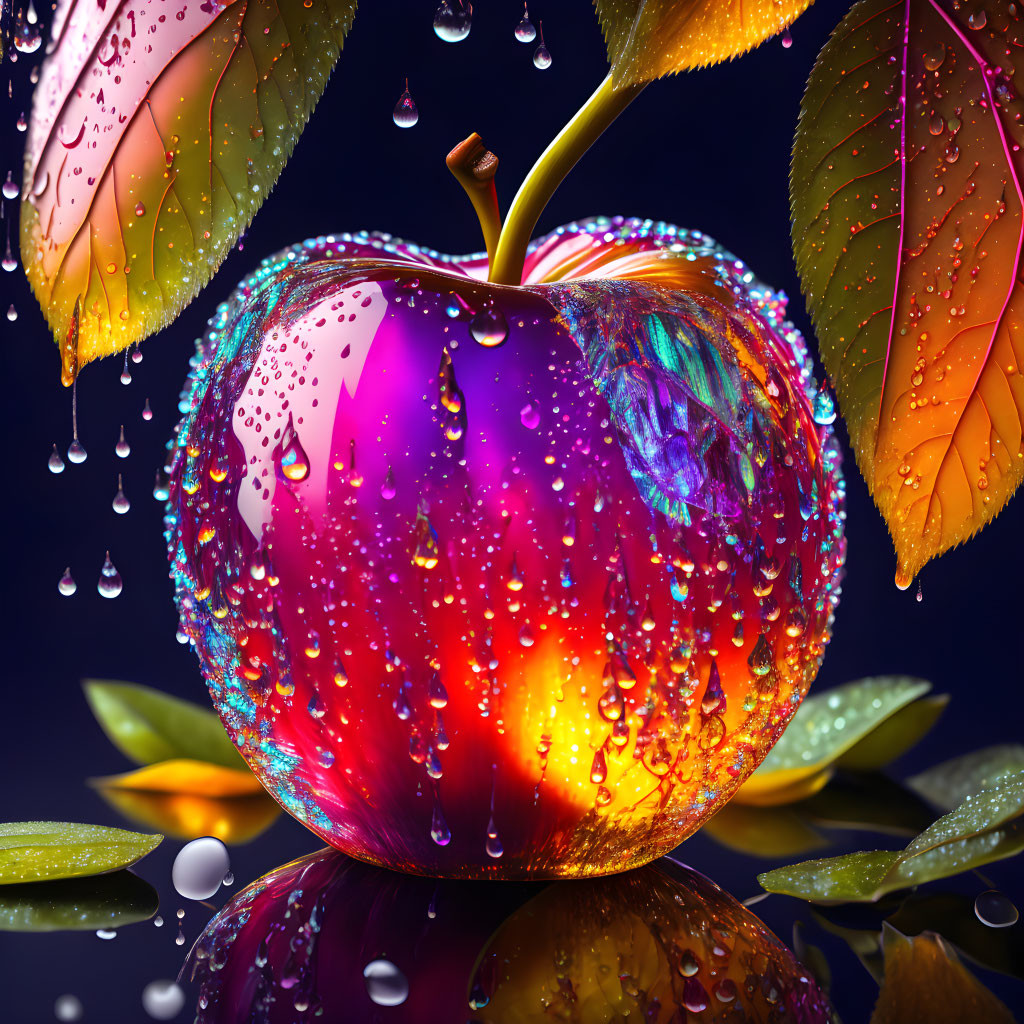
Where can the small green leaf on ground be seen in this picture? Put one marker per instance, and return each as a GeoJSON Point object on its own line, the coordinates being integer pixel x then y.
{"type": "Point", "coordinates": [36, 851]}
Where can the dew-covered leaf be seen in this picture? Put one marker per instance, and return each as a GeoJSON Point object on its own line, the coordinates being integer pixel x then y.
{"type": "Point", "coordinates": [648, 39]}
{"type": "Point", "coordinates": [988, 826]}
{"type": "Point", "coordinates": [951, 782]}
{"type": "Point", "coordinates": [35, 851]}
{"type": "Point", "coordinates": [908, 222]}
{"type": "Point", "coordinates": [77, 904]}
{"type": "Point", "coordinates": [925, 981]}
{"type": "Point", "coordinates": [157, 131]}
{"type": "Point", "coordinates": [825, 727]}
{"type": "Point", "coordinates": [147, 725]}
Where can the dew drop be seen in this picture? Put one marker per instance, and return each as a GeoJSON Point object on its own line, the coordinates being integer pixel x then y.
{"type": "Point", "coordinates": [452, 21]}
{"type": "Point", "coordinates": [120, 504]}
{"type": "Point", "coordinates": [405, 114]}
{"type": "Point", "coordinates": [76, 452]}
{"type": "Point", "coordinates": [489, 327]}
{"type": "Point", "coordinates": [163, 1000]}
{"type": "Point", "coordinates": [10, 187]}
{"type": "Point", "coordinates": [824, 410]}
{"type": "Point", "coordinates": [787, 38]}
{"type": "Point", "coordinates": [140, 209]}
{"type": "Point", "coordinates": [110, 583]}
{"type": "Point", "coordinates": [55, 464]}
{"type": "Point", "coordinates": [995, 910]}
{"type": "Point", "coordinates": [68, 1007]}
{"type": "Point", "coordinates": [12, 313]}
{"type": "Point", "coordinates": [385, 984]}
{"type": "Point", "coordinates": [67, 585]}
{"type": "Point", "coordinates": [525, 32]}
{"type": "Point", "coordinates": [122, 448]}
{"type": "Point", "coordinates": [200, 867]}
{"type": "Point", "coordinates": [147, 412]}
{"type": "Point", "coordinates": [978, 19]}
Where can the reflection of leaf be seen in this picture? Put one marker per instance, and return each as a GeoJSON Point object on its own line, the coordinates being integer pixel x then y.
{"type": "Point", "coordinates": [147, 725]}
{"type": "Point", "coordinates": [32, 851]}
{"type": "Point", "coordinates": [951, 782]}
{"type": "Point", "coordinates": [986, 827]}
{"type": "Point", "coordinates": [763, 832]}
{"type": "Point", "coordinates": [825, 727]}
{"type": "Point", "coordinates": [77, 904]}
{"type": "Point", "coordinates": [152, 146]}
{"type": "Point", "coordinates": [870, 802]}
{"type": "Point", "coordinates": [907, 229]}
{"type": "Point", "coordinates": [188, 799]}
{"type": "Point", "coordinates": [864, 942]}
{"type": "Point", "coordinates": [650, 38]}
{"type": "Point", "coordinates": [924, 981]}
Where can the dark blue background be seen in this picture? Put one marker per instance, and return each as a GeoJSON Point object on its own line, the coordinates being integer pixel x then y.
{"type": "Point", "coordinates": [706, 150]}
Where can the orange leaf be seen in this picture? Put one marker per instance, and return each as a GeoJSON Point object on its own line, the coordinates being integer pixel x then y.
{"type": "Point", "coordinates": [908, 221]}
{"type": "Point", "coordinates": [156, 133]}
{"type": "Point", "coordinates": [182, 775]}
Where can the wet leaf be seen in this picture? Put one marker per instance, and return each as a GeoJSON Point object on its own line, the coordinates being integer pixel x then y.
{"type": "Point", "coordinates": [35, 851]}
{"type": "Point", "coordinates": [924, 981]}
{"type": "Point", "coordinates": [77, 904]}
{"type": "Point", "coordinates": [825, 727]}
{"type": "Point", "coordinates": [986, 827]}
{"type": "Point", "coordinates": [951, 782]}
{"type": "Point", "coordinates": [648, 39]}
{"type": "Point", "coordinates": [153, 142]}
{"type": "Point", "coordinates": [907, 230]}
{"type": "Point", "coordinates": [188, 799]}
{"type": "Point", "coordinates": [763, 832]}
{"type": "Point", "coordinates": [147, 725]}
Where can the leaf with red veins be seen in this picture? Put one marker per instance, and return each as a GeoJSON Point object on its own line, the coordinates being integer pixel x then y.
{"type": "Point", "coordinates": [907, 229]}
{"type": "Point", "coordinates": [157, 130]}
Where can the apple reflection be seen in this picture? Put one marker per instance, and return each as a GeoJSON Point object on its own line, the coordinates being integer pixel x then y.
{"type": "Point", "coordinates": [330, 939]}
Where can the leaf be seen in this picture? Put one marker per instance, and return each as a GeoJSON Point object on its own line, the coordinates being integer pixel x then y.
{"type": "Point", "coordinates": [147, 725]}
{"type": "Point", "coordinates": [153, 142]}
{"type": "Point", "coordinates": [870, 802]}
{"type": "Point", "coordinates": [986, 827]}
{"type": "Point", "coordinates": [648, 39]}
{"type": "Point", "coordinates": [924, 981]}
{"type": "Point", "coordinates": [825, 727]}
{"type": "Point", "coordinates": [77, 904]}
{"type": "Point", "coordinates": [189, 799]}
{"type": "Point", "coordinates": [895, 736]}
{"type": "Point", "coordinates": [763, 832]}
{"type": "Point", "coordinates": [32, 851]}
{"type": "Point", "coordinates": [907, 232]}
{"type": "Point", "coordinates": [950, 783]}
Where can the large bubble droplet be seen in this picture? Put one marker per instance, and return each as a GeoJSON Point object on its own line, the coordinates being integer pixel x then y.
{"type": "Point", "coordinates": [200, 867]}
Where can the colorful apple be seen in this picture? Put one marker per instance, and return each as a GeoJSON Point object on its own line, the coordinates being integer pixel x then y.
{"type": "Point", "coordinates": [326, 938]}
{"type": "Point", "coordinates": [494, 581]}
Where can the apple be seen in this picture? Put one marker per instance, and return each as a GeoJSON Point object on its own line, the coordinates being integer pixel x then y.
{"type": "Point", "coordinates": [344, 941]}
{"type": "Point", "coordinates": [505, 581]}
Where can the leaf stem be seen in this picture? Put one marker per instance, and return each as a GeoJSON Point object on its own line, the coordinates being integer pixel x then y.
{"type": "Point", "coordinates": [474, 167]}
{"type": "Point", "coordinates": [585, 128]}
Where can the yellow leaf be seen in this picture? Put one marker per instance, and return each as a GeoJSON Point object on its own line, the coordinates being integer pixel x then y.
{"type": "Point", "coordinates": [648, 39]}
{"type": "Point", "coordinates": [786, 786]}
{"type": "Point", "coordinates": [182, 775]}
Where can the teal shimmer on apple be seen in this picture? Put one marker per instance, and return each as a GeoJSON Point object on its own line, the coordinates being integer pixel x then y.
{"type": "Point", "coordinates": [493, 581]}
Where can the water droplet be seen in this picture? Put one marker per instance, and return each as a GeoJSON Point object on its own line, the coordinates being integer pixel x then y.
{"type": "Point", "coordinates": [439, 830]}
{"type": "Point", "coordinates": [995, 910]}
{"type": "Point", "coordinates": [147, 412]}
{"type": "Point", "coordinates": [977, 19]}
{"type": "Point", "coordinates": [22, 124]}
{"type": "Point", "coordinates": [787, 38]}
{"type": "Point", "coordinates": [489, 327]}
{"type": "Point", "coordinates": [122, 448]}
{"type": "Point", "coordinates": [67, 585]}
{"type": "Point", "coordinates": [76, 452]}
{"type": "Point", "coordinates": [27, 36]}
{"type": "Point", "coordinates": [525, 32]}
{"type": "Point", "coordinates": [291, 456]}
{"type": "Point", "coordinates": [163, 1000]}
{"type": "Point", "coordinates": [824, 407]}
{"type": "Point", "coordinates": [920, 592]}
{"type": "Point", "coordinates": [120, 504]}
{"type": "Point", "coordinates": [386, 985]}
{"type": "Point", "coordinates": [200, 867]}
{"type": "Point", "coordinates": [493, 845]}
{"type": "Point", "coordinates": [12, 313]}
{"type": "Point", "coordinates": [387, 489]}
{"type": "Point", "coordinates": [68, 1007]}
{"type": "Point", "coordinates": [140, 209]}
{"type": "Point", "coordinates": [542, 55]}
{"type": "Point", "coordinates": [161, 490]}
{"type": "Point", "coordinates": [406, 114]}
{"type": "Point", "coordinates": [106, 934]}
{"type": "Point", "coordinates": [229, 879]}
{"type": "Point", "coordinates": [158, 921]}
{"type": "Point", "coordinates": [529, 416]}
{"type": "Point", "coordinates": [452, 21]}
{"type": "Point", "coordinates": [10, 187]}
{"type": "Point", "coordinates": [110, 583]}
{"type": "Point", "coordinates": [55, 464]}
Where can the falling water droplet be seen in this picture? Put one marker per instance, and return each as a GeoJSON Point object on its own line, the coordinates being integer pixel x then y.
{"type": "Point", "coordinates": [161, 489]}
{"type": "Point", "coordinates": [386, 985]}
{"type": "Point", "coordinates": [439, 830]}
{"type": "Point", "coordinates": [110, 583]}
{"type": "Point", "coordinates": [179, 939]}
{"type": "Point", "coordinates": [163, 1000]}
{"type": "Point", "coordinates": [824, 407]}
{"type": "Point", "coordinates": [120, 504]}
{"type": "Point", "coordinates": [292, 458]}
{"type": "Point", "coordinates": [136, 355]}
{"type": "Point", "coordinates": [525, 32]}
{"type": "Point", "coordinates": [68, 1007]}
{"type": "Point", "coordinates": [12, 313]}
{"type": "Point", "coordinates": [405, 114]}
{"type": "Point", "coordinates": [22, 124]}
{"type": "Point", "coordinates": [542, 55]}
{"type": "Point", "coordinates": [489, 327]}
{"type": "Point", "coordinates": [387, 489]}
{"type": "Point", "coordinates": [27, 36]}
{"type": "Point", "coordinates": [126, 374]}
{"type": "Point", "coordinates": [787, 38]}
{"type": "Point", "coordinates": [55, 464]}
{"type": "Point", "coordinates": [76, 452]}
{"type": "Point", "coordinates": [122, 448]}
{"type": "Point", "coordinates": [9, 263]}
{"type": "Point", "coordinates": [920, 592]}
{"type": "Point", "coordinates": [452, 21]}
{"type": "Point", "coordinates": [995, 910]}
{"type": "Point", "coordinates": [200, 867]}
{"type": "Point", "coordinates": [67, 585]}
{"type": "Point", "coordinates": [493, 844]}
{"type": "Point", "coordinates": [147, 412]}
{"type": "Point", "coordinates": [10, 187]}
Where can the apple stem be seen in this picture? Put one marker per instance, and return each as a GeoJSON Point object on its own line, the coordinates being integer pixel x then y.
{"type": "Point", "coordinates": [474, 167]}
{"type": "Point", "coordinates": [549, 171]}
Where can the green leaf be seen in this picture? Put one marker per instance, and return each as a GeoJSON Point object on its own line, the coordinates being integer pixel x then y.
{"type": "Point", "coordinates": [870, 802]}
{"type": "Point", "coordinates": [35, 851]}
{"type": "Point", "coordinates": [77, 904]}
{"type": "Point", "coordinates": [895, 736]}
{"type": "Point", "coordinates": [828, 726]}
{"type": "Point", "coordinates": [648, 39]}
{"type": "Point", "coordinates": [147, 725]}
{"type": "Point", "coordinates": [986, 827]}
{"type": "Point", "coordinates": [951, 782]}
